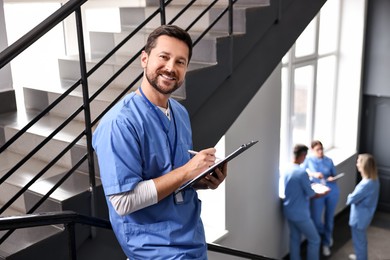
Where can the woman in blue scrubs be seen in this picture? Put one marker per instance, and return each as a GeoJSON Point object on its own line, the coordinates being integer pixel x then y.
{"type": "Point", "coordinates": [322, 170]}
{"type": "Point", "coordinates": [363, 201]}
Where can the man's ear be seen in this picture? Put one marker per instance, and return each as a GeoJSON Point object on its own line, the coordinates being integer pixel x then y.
{"type": "Point", "coordinates": [144, 59]}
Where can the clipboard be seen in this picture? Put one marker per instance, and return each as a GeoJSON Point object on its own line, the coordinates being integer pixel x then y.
{"type": "Point", "coordinates": [338, 176]}
{"type": "Point", "coordinates": [219, 163]}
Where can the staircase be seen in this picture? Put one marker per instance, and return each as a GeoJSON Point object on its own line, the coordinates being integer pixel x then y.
{"type": "Point", "coordinates": [225, 72]}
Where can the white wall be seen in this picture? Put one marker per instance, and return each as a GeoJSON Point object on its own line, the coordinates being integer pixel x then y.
{"type": "Point", "coordinates": [5, 72]}
{"type": "Point", "coordinates": [253, 208]}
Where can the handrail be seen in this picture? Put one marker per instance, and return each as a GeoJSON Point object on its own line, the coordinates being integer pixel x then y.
{"type": "Point", "coordinates": [67, 218]}
{"type": "Point", "coordinates": [71, 217]}
{"type": "Point", "coordinates": [235, 252]}
{"type": "Point", "coordinates": [51, 218]}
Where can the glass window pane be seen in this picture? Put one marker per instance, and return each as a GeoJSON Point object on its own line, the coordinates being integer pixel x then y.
{"type": "Point", "coordinates": [303, 83]}
{"type": "Point", "coordinates": [323, 125]}
{"type": "Point", "coordinates": [329, 21]}
{"type": "Point", "coordinates": [286, 58]}
{"type": "Point", "coordinates": [305, 45]}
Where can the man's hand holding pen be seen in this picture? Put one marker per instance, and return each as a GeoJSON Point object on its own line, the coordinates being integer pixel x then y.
{"type": "Point", "coordinates": [211, 181]}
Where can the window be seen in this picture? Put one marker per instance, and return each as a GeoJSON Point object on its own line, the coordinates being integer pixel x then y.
{"type": "Point", "coordinates": [309, 82]}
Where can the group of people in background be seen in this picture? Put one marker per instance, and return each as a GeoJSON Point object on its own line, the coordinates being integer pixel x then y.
{"type": "Point", "coordinates": [310, 212]}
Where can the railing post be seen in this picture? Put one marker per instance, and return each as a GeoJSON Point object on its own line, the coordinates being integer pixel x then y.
{"type": "Point", "coordinates": [71, 240]}
{"type": "Point", "coordinates": [230, 29]}
{"type": "Point", "coordinates": [87, 113]}
{"type": "Point", "coordinates": [230, 17]}
{"type": "Point", "coordinates": [162, 12]}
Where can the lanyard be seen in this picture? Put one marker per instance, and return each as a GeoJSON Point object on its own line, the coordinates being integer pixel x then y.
{"type": "Point", "coordinates": [159, 114]}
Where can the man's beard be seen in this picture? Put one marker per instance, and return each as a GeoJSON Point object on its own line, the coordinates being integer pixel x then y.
{"type": "Point", "coordinates": [153, 81]}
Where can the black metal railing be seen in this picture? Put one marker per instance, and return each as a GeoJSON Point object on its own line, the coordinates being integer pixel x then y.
{"type": "Point", "coordinates": [73, 6]}
{"type": "Point", "coordinates": [69, 219]}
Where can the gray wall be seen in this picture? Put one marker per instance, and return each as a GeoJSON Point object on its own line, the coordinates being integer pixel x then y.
{"type": "Point", "coordinates": [377, 58]}
{"type": "Point", "coordinates": [376, 99]}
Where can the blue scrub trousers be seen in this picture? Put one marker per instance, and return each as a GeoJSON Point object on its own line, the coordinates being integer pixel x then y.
{"type": "Point", "coordinates": [359, 240]}
{"type": "Point", "coordinates": [329, 202]}
{"type": "Point", "coordinates": [306, 228]}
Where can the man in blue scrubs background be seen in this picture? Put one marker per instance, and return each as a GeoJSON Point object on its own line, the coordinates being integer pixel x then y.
{"type": "Point", "coordinates": [142, 147]}
{"type": "Point", "coordinates": [296, 206]}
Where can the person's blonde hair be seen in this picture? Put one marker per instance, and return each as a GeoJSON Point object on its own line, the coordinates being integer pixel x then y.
{"type": "Point", "coordinates": [368, 164]}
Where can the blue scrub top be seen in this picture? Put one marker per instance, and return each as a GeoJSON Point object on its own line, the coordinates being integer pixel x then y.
{"type": "Point", "coordinates": [325, 166]}
{"type": "Point", "coordinates": [297, 191]}
{"type": "Point", "coordinates": [363, 201]}
{"type": "Point", "coordinates": [132, 146]}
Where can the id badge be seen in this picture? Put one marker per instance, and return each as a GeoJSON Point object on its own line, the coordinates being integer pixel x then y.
{"type": "Point", "coordinates": [179, 197]}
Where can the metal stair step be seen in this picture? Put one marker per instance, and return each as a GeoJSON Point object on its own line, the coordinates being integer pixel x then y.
{"type": "Point", "coordinates": [69, 69]}
{"type": "Point", "coordinates": [38, 98]}
{"type": "Point", "coordinates": [132, 16]}
{"type": "Point", "coordinates": [73, 194]}
{"type": "Point", "coordinates": [21, 177]}
{"type": "Point", "coordinates": [208, 2]}
{"type": "Point", "coordinates": [39, 131]}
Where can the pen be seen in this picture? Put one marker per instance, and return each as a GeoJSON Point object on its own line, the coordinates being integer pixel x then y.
{"type": "Point", "coordinates": [195, 153]}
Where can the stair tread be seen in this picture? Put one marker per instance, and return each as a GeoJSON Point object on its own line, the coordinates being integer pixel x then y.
{"type": "Point", "coordinates": [111, 92]}
{"type": "Point", "coordinates": [223, 2]}
{"type": "Point", "coordinates": [45, 126]}
{"type": "Point", "coordinates": [118, 59]}
{"type": "Point", "coordinates": [201, 5]}
{"type": "Point", "coordinates": [76, 184]}
{"type": "Point", "coordinates": [212, 34]}
{"type": "Point", "coordinates": [27, 171]}
{"type": "Point", "coordinates": [10, 211]}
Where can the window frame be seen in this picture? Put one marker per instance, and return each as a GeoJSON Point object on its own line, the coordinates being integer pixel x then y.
{"type": "Point", "coordinates": [289, 64]}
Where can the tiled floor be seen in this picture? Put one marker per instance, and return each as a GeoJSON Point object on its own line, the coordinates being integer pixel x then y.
{"type": "Point", "coordinates": [378, 238]}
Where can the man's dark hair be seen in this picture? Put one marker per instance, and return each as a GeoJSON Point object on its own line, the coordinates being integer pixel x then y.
{"type": "Point", "coordinates": [171, 31]}
{"type": "Point", "coordinates": [300, 149]}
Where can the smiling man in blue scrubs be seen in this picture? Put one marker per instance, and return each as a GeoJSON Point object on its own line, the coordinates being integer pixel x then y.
{"type": "Point", "coordinates": [142, 147]}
